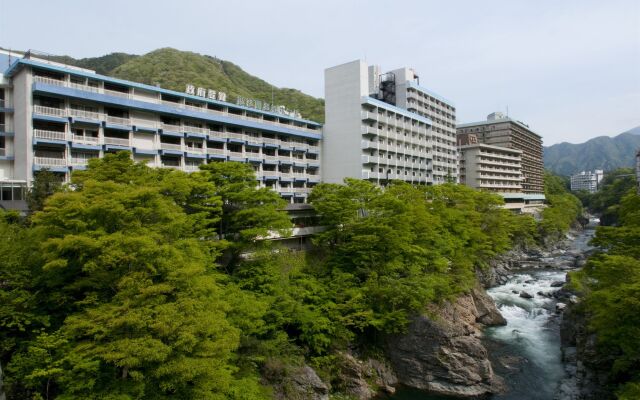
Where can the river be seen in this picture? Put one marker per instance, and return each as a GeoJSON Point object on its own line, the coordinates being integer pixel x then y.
{"type": "Point", "coordinates": [526, 352]}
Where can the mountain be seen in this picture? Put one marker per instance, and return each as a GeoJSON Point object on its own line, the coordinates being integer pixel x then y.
{"type": "Point", "coordinates": [174, 69]}
{"type": "Point", "coordinates": [602, 152]}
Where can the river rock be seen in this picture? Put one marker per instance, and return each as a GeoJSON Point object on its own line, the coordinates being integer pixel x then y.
{"type": "Point", "coordinates": [298, 383]}
{"type": "Point", "coordinates": [557, 284]}
{"type": "Point", "coordinates": [525, 295]}
{"type": "Point", "coordinates": [363, 379]}
{"type": "Point", "coordinates": [560, 307]}
{"type": "Point", "coordinates": [441, 351]}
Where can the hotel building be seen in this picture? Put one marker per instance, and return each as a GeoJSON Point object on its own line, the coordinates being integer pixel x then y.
{"type": "Point", "coordinates": [57, 117]}
{"type": "Point", "coordinates": [587, 180]}
{"type": "Point", "coordinates": [385, 126]}
{"type": "Point", "coordinates": [502, 131]}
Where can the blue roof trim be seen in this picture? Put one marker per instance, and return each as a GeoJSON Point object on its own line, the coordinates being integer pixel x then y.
{"type": "Point", "coordinates": [236, 140]}
{"type": "Point", "coordinates": [85, 146]}
{"type": "Point", "coordinates": [171, 152]}
{"type": "Point", "coordinates": [9, 158]}
{"type": "Point", "coordinates": [18, 63]}
{"type": "Point", "coordinates": [117, 127]}
{"type": "Point", "coordinates": [194, 155]}
{"type": "Point", "coordinates": [196, 135]}
{"type": "Point", "coordinates": [270, 178]}
{"type": "Point", "coordinates": [217, 139]}
{"type": "Point", "coordinates": [171, 133]}
{"type": "Point", "coordinates": [116, 147]}
{"type": "Point", "coordinates": [79, 167]}
{"type": "Point", "coordinates": [237, 159]}
{"type": "Point", "coordinates": [271, 145]}
{"type": "Point", "coordinates": [8, 134]}
{"type": "Point", "coordinates": [143, 129]}
{"type": "Point", "coordinates": [38, 167]}
{"type": "Point", "coordinates": [271, 162]}
{"type": "Point", "coordinates": [50, 118]}
{"type": "Point", "coordinates": [286, 179]}
{"type": "Point", "coordinates": [401, 111]}
{"type": "Point", "coordinates": [162, 108]}
{"type": "Point", "coordinates": [254, 160]}
{"type": "Point", "coordinates": [298, 179]}
{"type": "Point", "coordinates": [74, 120]}
{"type": "Point", "coordinates": [217, 156]}
{"type": "Point", "coordinates": [430, 93]}
{"type": "Point", "coordinates": [6, 109]}
{"type": "Point", "coordinates": [145, 151]}
{"type": "Point", "coordinates": [37, 141]}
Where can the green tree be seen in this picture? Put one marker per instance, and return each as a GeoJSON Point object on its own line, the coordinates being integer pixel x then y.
{"type": "Point", "coordinates": [45, 183]}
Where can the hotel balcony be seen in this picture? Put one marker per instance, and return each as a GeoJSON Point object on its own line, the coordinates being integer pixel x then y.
{"type": "Point", "coordinates": [118, 120]}
{"type": "Point", "coordinates": [50, 111]}
{"type": "Point", "coordinates": [117, 141]}
{"type": "Point", "coordinates": [49, 135]}
{"type": "Point", "coordinates": [50, 161]}
{"type": "Point", "coordinates": [92, 140]}
{"type": "Point", "coordinates": [170, 146]}
{"type": "Point", "coordinates": [85, 114]}
{"type": "Point", "coordinates": [220, 152]}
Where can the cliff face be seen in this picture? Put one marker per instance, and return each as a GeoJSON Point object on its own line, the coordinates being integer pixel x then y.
{"type": "Point", "coordinates": [441, 351]}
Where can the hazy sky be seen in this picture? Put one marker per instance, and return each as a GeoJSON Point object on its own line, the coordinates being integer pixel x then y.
{"type": "Point", "coordinates": [570, 69]}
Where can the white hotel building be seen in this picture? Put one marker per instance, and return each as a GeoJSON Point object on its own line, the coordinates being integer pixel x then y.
{"type": "Point", "coordinates": [57, 117]}
{"type": "Point", "coordinates": [382, 127]}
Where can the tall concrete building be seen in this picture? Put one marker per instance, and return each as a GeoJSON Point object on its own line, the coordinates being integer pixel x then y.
{"type": "Point", "coordinates": [587, 180]}
{"type": "Point", "coordinates": [499, 130]}
{"type": "Point", "coordinates": [58, 117]}
{"type": "Point", "coordinates": [385, 126]}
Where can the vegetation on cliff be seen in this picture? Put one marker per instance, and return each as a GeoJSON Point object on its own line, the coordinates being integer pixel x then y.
{"type": "Point", "coordinates": [610, 286]}
{"type": "Point", "coordinates": [142, 283]}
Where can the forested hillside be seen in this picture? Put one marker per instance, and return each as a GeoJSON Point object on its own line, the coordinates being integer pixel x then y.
{"type": "Point", "coordinates": [174, 69]}
{"type": "Point", "coordinates": [603, 152]}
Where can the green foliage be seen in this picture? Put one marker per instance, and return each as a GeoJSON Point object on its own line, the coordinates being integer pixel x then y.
{"type": "Point", "coordinates": [45, 183]}
{"type": "Point", "coordinates": [614, 186]}
{"type": "Point", "coordinates": [610, 283]}
{"type": "Point", "coordinates": [562, 210]}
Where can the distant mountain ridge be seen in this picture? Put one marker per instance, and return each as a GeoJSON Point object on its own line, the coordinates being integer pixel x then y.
{"type": "Point", "coordinates": [174, 69]}
{"type": "Point", "coordinates": [602, 152]}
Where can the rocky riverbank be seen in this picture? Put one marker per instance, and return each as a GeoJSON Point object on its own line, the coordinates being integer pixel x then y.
{"type": "Point", "coordinates": [442, 351]}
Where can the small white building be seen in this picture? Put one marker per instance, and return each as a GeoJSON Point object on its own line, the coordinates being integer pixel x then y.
{"type": "Point", "coordinates": [587, 180]}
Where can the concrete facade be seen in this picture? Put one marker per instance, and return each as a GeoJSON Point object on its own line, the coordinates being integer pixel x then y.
{"type": "Point", "coordinates": [58, 117]}
{"type": "Point", "coordinates": [376, 130]}
{"type": "Point", "coordinates": [499, 130]}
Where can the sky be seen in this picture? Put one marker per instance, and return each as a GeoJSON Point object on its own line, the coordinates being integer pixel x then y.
{"type": "Point", "coordinates": [569, 69]}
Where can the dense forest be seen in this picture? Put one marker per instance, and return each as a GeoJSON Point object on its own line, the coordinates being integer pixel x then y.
{"type": "Point", "coordinates": [610, 284]}
{"type": "Point", "coordinates": [139, 283]}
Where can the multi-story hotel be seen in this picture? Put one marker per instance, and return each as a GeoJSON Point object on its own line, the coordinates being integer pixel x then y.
{"type": "Point", "coordinates": [57, 117]}
{"type": "Point", "coordinates": [587, 180]}
{"type": "Point", "coordinates": [502, 131]}
{"type": "Point", "coordinates": [382, 127]}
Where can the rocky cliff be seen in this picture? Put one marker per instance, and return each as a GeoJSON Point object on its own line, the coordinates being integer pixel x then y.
{"type": "Point", "coordinates": [441, 351]}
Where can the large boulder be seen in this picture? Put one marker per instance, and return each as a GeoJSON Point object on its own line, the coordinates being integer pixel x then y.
{"type": "Point", "coordinates": [441, 351]}
{"type": "Point", "coordinates": [295, 383]}
{"type": "Point", "coordinates": [363, 380]}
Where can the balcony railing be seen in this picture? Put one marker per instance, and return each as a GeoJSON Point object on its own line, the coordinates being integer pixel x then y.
{"type": "Point", "coordinates": [51, 135]}
{"type": "Point", "coordinates": [85, 139]}
{"type": "Point", "coordinates": [117, 93]}
{"type": "Point", "coordinates": [196, 150]}
{"type": "Point", "coordinates": [144, 122]}
{"type": "Point", "coordinates": [117, 141]}
{"type": "Point", "coordinates": [50, 161]}
{"type": "Point", "coordinates": [49, 81]}
{"type": "Point", "coordinates": [118, 120]}
{"type": "Point", "coordinates": [52, 111]}
{"type": "Point", "coordinates": [195, 129]}
{"type": "Point", "coordinates": [171, 146]}
{"type": "Point", "coordinates": [221, 152]}
{"type": "Point", "coordinates": [85, 114]}
{"type": "Point", "coordinates": [80, 160]}
{"type": "Point", "coordinates": [171, 127]}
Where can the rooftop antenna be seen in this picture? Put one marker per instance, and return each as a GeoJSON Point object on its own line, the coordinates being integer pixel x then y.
{"type": "Point", "coordinates": [507, 111]}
